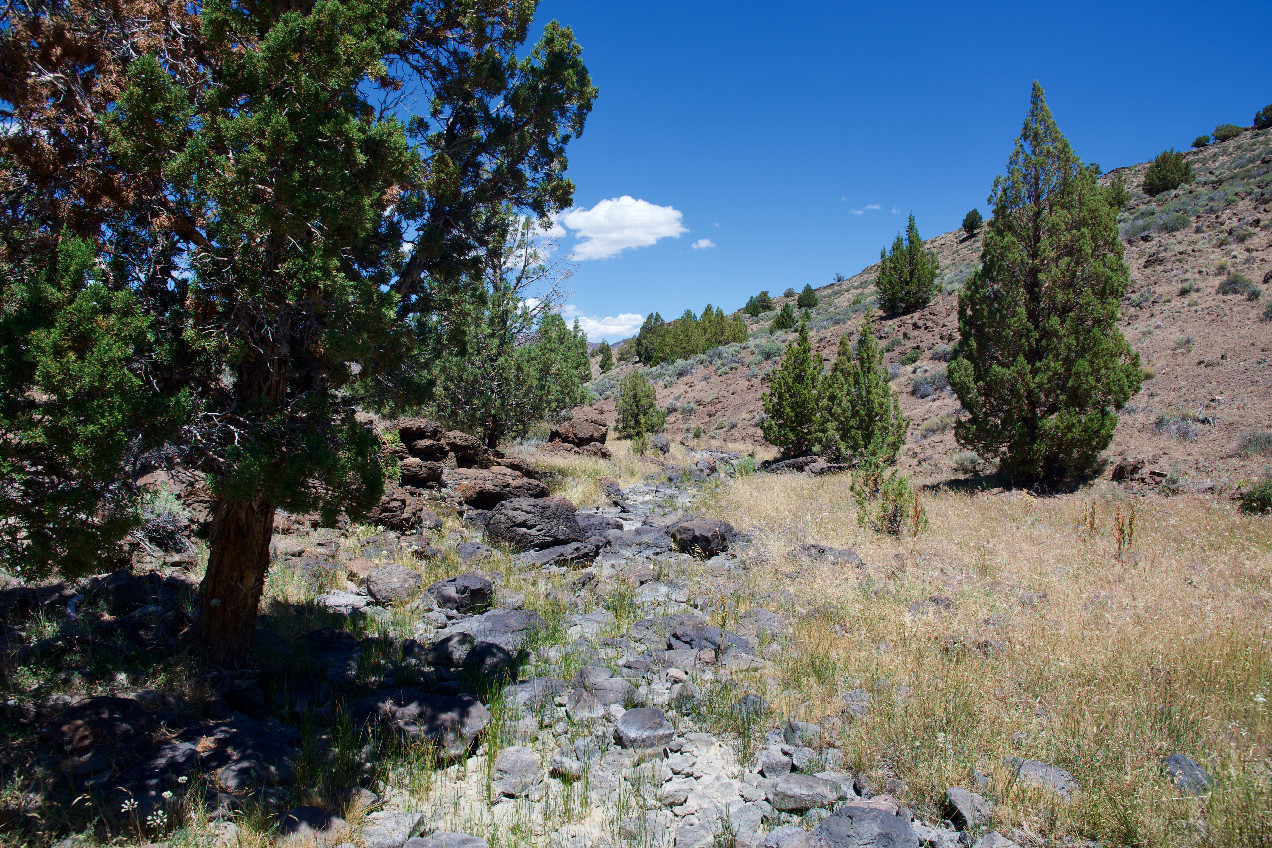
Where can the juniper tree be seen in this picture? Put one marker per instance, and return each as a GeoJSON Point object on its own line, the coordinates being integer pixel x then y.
{"type": "Point", "coordinates": [1042, 365]}
{"type": "Point", "coordinates": [861, 414]}
{"type": "Point", "coordinates": [807, 297]}
{"type": "Point", "coordinates": [784, 319]}
{"type": "Point", "coordinates": [1168, 170]}
{"type": "Point", "coordinates": [972, 222]}
{"type": "Point", "coordinates": [907, 273]}
{"type": "Point", "coordinates": [792, 415]}
{"type": "Point", "coordinates": [636, 408]}
{"type": "Point", "coordinates": [606, 360]}
{"type": "Point", "coordinates": [241, 167]}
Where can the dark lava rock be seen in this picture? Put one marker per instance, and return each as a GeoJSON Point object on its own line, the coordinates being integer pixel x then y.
{"type": "Point", "coordinates": [1187, 774]}
{"type": "Point", "coordinates": [644, 728]}
{"type": "Point", "coordinates": [860, 825]}
{"type": "Point", "coordinates": [534, 524]}
{"type": "Point", "coordinates": [703, 537]}
{"type": "Point", "coordinates": [471, 592]}
{"type": "Point", "coordinates": [451, 723]}
{"type": "Point", "coordinates": [393, 583]}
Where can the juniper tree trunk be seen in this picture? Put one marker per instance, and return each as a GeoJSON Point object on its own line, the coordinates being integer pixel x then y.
{"type": "Point", "coordinates": [230, 595]}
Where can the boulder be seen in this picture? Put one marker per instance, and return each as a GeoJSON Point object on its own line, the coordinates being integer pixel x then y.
{"type": "Point", "coordinates": [471, 592]}
{"type": "Point", "coordinates": [310, 826]}
{"type": "Point", "coordinates": [534, 524]}
{"type": "Point", "coordinates": [467, 450]}
{"type": "Point", "coordinates": [575, 553]}
{"type": "Point", "coordinates": [403, 510]}
{"type": "Point", "coordinates": [389, 828]}
{"type": "Point", "coordinates": [411, 430]}
{"type": "Point", "coordinates": [644, 728]}
{"type": "Point", "coordinates": [795, 793]}
{"type": "Point", "coordinates": [484, 488]}
{"type": "Point", "coordinates": [1187, 774]}
{"type": "Point", "coordinates": [393, 583]}
{"type": "Point", "coordinates": [420, 474]}
{"type": "Point", "coordinates": [661, 444]}
{"type": "Point", "coordinates": [1043, 776]}
{"type": "Point", "coordinates": [966, 809]}
{"type": "Point", "coordinates": [450, 723]}
{"type": "Point", "coordinates": [580, 431]}
{"type": "Point", "coordinates": [469, 551]}
{"type": "Point", "coordinates": [516, 772]}
{"type": "Point", "coordinates": [860, 825]}
{"type": "Point", "coordinates": [509, 629]}
{"type": "Point", "coordinates": [429, 450]}
{"type": "Point", "coordinates": [703, 537]}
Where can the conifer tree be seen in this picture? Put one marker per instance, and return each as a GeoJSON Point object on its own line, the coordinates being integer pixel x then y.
{"type": "Point", "coordinates": [637, 413]}
{"type": "Point", "coordinates": [861, 413]}
{"type": "Point", "coordinates": [792, 420]}
{"type": "Point", "coordinates": [784, 320]}
{"type": "Point", "coordinates": [1042, 365]}
{"type": "Point", "coordinates": [972, 222]}
{"type": "Point", "coordinates": [606, 357]}
{"type": "Point", "coordinates": [907, 273]}
{"type": "Point", "coordinates": [807, 298]}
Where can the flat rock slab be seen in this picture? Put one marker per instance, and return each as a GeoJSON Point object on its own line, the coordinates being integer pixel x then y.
{"type": "Point", "coordinates": [393, 583]}
{"type": "Point", "coordinates": [795, 793]}
{"type": "Point", "coordinates": [861, 826]}
{"type": "Point", "coordinates": [509, 629]}
{"type": "Point", "coordinates": [644, 728]}
{"type": "Point", "coordinates": [966, 809]}
{"type": "Point", "coordinates": [1187, 774]}
{"type": "Point", "coordinates": [389, 828]}
{"type": "Point", "coordinates": [451, 723]}
{"type": "Point", "coordinates": [1043, 776]}
{"type": "Point", "coordinates": [516, 772]}
{"type": "Point", "coordinates": [575, 553]}
{"type": "Point", "coordinates": [447, 840]}
{"type": "Point", "coordinates": [471, 592]}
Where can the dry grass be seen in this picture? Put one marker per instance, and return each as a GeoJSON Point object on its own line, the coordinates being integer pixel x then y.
{"type": "Point", "coordinates": [1125, 660]}
{"type": "Point", "coordinates": [576, 477]}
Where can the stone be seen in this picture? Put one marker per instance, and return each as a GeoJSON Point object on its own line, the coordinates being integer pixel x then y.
{"type": "Point", "coordinates": [307, 826]}
{"type": "Point", "coordinates": [516, 772]}
{"type": "Point", "coordinates": [536, 694]}
{"type": "Point", "coordinates": [827, 554]}
{"type": "Point", "coordinates": [702, 537]}
{"type": "Point", "coordinates": [582, 707]}
{"type": "Point", "coordinates": [994, 839]}
{"type": "Point", "coordinates": [509, 629]}
{"type": "Point", "coordinates": [593, 524]}
{"type": "Point", "coordinates": [418, 473]}
{"type": "Point", "coordinates": [467, 450]}
{"type": "Point", "coordinates": [451, 723]}
{"type": "Point", "coordinates": [860, 825]}
{"type": "Point", "coordinates": [803, 734]}
{"type": "Point", "coordinates": [750, 707]}
{"type": "Point", "coordinates": [580, 431]}
{"type": "Point", "coordinates": [447, 839]}
{"type": "Point", "coordinates": [393, 583]}
{"type": "Point", "coordinates": [344, 603]}
{"type": "Point", "coordinates": [470, 551]}
{"type": "Point", "coordinates": [856, 703]}
{"type": "Point", "coordinates": [966, 809]}
{"type": "Point", "coordinates": [429, 450]}
{"type": "Point", "coordinates": [1187, 774]}
{"type": "Point", "coordinates": [565, 768]}
{"type": "Point", "coordinates": [795, 793]}
{"type": "Point", "coordinates": [389, 828]}
{"type": "Point", "coordinates": [575, 553]}
{"type": "Point", "coordinates": [1126, 469]}
{"type": "Point", "coordinates": [673, 793]}
{"type": "Point", "coordinates": [786, 836]}
{"type": "Point", "coordinates": [485, 488]}
{"type": "Point", "coordinates": [661, 444]}
{"type": "Point", "coordinates": [775, 764]}
{"type": "Point", "coordinates": [1043, 776]}
{"type": "Point", "coordinates": [530, 524]}
{"type": "Point", "coordinates": [411, 430]}
{"type": "Point", "coordinates": [470, 592]}
{"type": "Point", "coordinates": [644, 728]}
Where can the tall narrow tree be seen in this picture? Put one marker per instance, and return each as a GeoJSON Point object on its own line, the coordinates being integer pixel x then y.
{"type": "Point", "coordinates": [1042, 365]}
{"type": "Point", "coordinates": [793, 421]}
{"type": "Point", "coordinates": [861, 412]}
{"type": "Point", "coordinates": [907, 273]}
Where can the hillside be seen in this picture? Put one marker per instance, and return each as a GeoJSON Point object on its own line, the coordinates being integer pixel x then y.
{"type": "Point", "coordinates": [1209, 354]}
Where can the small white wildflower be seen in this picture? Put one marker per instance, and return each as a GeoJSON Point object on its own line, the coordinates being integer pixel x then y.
{"type": "Point", "coordinates": [1259, 699]}
{"type": "Point", "coordinates": [183, 778]}
{"type": "Point", "coordinates": [128, 806]}
{"type": "Point", "coordinates": [167, 795]}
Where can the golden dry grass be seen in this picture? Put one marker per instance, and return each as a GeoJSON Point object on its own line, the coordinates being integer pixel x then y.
{"type": "Point", "coordinates": [1124, 661]}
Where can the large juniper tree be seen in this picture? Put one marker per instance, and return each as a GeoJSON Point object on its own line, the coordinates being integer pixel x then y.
{"type": "Point", "coordinates": [793, 420]}
{"type": "Point", "coordinates": [907, 273]}
{"type": "Point", "coordinates": [1042, 365]}
{"type": "Point", "coordinates": [241, 169]}
{"type": "Point", "coordinates": [861, 413]}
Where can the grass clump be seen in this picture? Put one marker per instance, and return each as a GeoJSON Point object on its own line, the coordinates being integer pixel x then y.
{"type": "Point", "coordinates": [1257, 499]}
{"type": "Point", "coordinates": [1236, 283]}
{"type": "Point", "coordinates": [1255, 442]}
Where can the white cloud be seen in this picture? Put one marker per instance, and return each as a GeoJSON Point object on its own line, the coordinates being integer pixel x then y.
{"type": "Point", "coordinates": [612, 326]}
{"type": "Point", "coordinates": [614, 225]}
{"type": "Point", "coordinates": [856, 211]}
{"type": "Point", "coordinates": [873, 207]}
{"type": "Point", "coordinates": [896, 210]}
{"type": "Point", "coordinates": [702, 244]}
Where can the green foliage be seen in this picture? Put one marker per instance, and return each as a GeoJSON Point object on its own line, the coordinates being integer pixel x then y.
{"type": "Point", "coordinates": [784, 320]}
{"type": "Point", "coordinates": [606, 361]}
{"type": "Point", "coordinates": [807, 297]}
{"type": "Point", "coordinates": [910, 357]}
{"type": "Point", "coordinates": [1257, 498]}
{"type": "Point", "coordinates": [1168, 170]}
{"type": "Point", "coordinates": [76, 407]}
{"type": "Point", "coordinates": [687, 336]}
{"type": "Point", "coordinates": [972, 222]}
{"type": "Point", "coordinates": [792, 420]}
{"type": "Point", "coordinates": [511, 367]}
{"type": "Point", "coordinates": [790, 292]}
{"type": "Point", "coordinates": [1041, 363]}
{"type": "Point", "coordinates": [1227, 132]}
{"type": "Point", "coordinates": [637, 411]}
{"type": "Point", "coordinates": [887, 504]}
{"type": "Point", "coordinates": [907, 274]}
{"type": "Point", "coordinates": [758, 304]}
{"type": "Point", "coordinates": [1263, 118]}
{"type": "Point", "coordinates": [1201, 141]}
{"type": "Point", "coordinates": [1237, 283]}
{"type": "Point", "coordinates": [1119, 194]}
{"type": "Point", "coordinates": [859, 414]}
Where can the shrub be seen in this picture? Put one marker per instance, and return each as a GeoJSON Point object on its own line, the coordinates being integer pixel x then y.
{"type": "Point", "coordinates": [768, 350]}
{"type": "Point", "coordinates": [929, 384]}
{"type": "Point", "coordinates": [1255, 442]}
{"type": "Point", "coordinates": [688, 409]}
{"type": "Point", "coordinates": [907, 273]}
{"type": "Point", "coordinates": [1227, 132]}
{"type": "Point", "coordinates": [966, 462]}
{"type": "Point", "coordinates": [1169, 170]}
{"type": "Point", "coordinates": [1236, 283]}
{"type": "Point", "coordinates": [1257, 499]}
{"type": "Point", "coordinates": [790, 292]}
{"type": "Point", "coordinates": [1201, 141]}
{"type": "Point", "coordinates": [888, 505]}
{"type": "Point", "coordinates": [910, 357]}
{"type": "Point", "coordinates": [1184, 427]}
{"type": "Point", "coordinates": [972, 222]}
{"type": "Point", "coordinates": [1118, 192]}
{"type": "Point", "coordinates": [807, 298]}
{"type": "Point", "coordinates": [758, 304]}
{"type": "Point", "coordinates": [1267, 312]}
{"type": "Point", "coordinates": [697, 432]}
{"type": "Point", "coordinates": [1263, 118]}
{"type": "Point", "coordinates": [637, 407]}
{"type": "Point", "coordinates": [785, 319]}
{"type": "Point", "coordinates": [942, 353]}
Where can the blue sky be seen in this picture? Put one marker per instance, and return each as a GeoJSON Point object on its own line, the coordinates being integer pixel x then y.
{"type": "Point", "coordinates": [738, 146]}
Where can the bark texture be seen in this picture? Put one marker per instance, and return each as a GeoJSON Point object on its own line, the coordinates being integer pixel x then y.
{"type": "Point", "coordinates": [230, 595]}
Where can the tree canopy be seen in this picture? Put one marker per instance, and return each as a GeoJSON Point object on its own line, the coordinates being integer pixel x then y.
{"type": "Point", "coordinates": [907, 273]}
